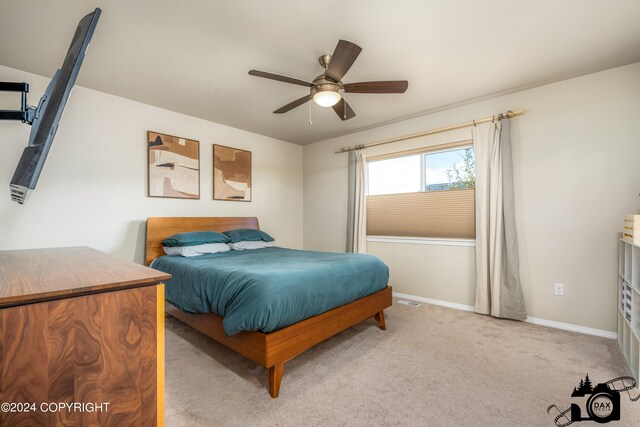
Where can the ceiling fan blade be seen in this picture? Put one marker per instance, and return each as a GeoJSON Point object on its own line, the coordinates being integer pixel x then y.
{"type": "Point", "coordinates": [292, 105]}
{"type": "Point", "coordinates": [279, 78]}
{"type": "Point", "coordinates": [343, 109]}
{"type": "Point", "coordinates": [398, 86]}
{"type": "Point", "coordinates": [342, 59]}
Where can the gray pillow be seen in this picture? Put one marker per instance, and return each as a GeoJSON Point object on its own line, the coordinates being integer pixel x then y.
{"type": "Point", "coordinates": [250, 244]}
{"type": "Point", "coordinates": [196, 250]}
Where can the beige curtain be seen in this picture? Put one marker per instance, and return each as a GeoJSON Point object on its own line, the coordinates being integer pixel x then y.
{"type": "Point", "coordinates": [498, 286]}
{"type": "Point", "coordinates": [357, 206]}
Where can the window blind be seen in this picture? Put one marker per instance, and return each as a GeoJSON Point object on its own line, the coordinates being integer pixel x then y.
{"type": "Point", "coordinates": [449, 214]}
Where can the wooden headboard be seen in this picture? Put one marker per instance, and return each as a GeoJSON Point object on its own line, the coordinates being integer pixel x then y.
{"type": "Point", "coordinates": [159, 228]}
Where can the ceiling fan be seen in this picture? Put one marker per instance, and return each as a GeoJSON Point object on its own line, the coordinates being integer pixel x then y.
{"type": "Point", "coordinates": [327, 89]}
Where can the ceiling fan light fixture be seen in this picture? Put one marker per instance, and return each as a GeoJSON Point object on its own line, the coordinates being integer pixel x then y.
{"type": "Point", "coordinates": [327, 98]}
{"type": "Point", "coordinates": [327, 89]}
{"type": "Point", "coordinates": [327, 94]}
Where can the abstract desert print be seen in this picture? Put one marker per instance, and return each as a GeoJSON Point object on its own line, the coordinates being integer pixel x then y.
{"type": "Point", "coordinates": [174, 166]}
{"type": "Point", "coordinates": [231, 174]}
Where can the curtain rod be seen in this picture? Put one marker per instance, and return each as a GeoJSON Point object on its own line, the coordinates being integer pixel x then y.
{"type": "Point", "coordinates": [509, 114]}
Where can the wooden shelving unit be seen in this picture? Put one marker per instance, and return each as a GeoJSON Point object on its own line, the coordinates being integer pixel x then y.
{"type": "Point", "coordinates": [629, 304]}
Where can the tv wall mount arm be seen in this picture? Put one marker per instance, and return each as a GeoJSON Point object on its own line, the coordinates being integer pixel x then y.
{"type": "Point", "coordinates": [27, 113]}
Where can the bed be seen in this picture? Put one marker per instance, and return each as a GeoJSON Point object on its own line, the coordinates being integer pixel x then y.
{"type": "Point", "coordinates": [275, 342]}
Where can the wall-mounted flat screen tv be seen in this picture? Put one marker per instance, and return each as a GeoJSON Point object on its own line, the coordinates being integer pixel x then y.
{"type": "Point", "coordinates": [46, 116]}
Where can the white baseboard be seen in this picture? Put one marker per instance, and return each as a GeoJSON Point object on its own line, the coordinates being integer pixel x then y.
{"type": "Point", "coordinates": [572, 327]}
{"type": "Point", "coordinates": [434, 301]}
{"type": "Point", "coordinates": [532, 320]}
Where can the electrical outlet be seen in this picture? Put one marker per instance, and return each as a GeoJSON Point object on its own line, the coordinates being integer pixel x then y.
{"type": "Point", "coordinates": [558, 288]}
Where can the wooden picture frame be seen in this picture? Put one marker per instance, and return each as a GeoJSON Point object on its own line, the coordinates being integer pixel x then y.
{"type": "Point", "coordinates": [231, 174]}
{"type": "Point", "coordinates": [173, 166]}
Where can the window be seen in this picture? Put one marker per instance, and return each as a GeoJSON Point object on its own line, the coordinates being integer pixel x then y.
{"type": "Point", "coordinates": [423, 194]}
{"type": "Point", "coordinates": [392, 176]}
{"type": "Point", "coordinates": [448, 169]}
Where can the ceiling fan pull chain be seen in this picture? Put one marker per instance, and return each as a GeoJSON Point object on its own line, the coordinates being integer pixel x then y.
{"type": "Point", "coordinates": [344, 110]}
{"type": "Point", "coordinates": [310, 122]}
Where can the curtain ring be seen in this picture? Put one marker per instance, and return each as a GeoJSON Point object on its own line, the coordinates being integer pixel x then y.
{"type": "Point", "coordinates": [493, 119]}
{"type": "Point", "coordinates": [474, 122]}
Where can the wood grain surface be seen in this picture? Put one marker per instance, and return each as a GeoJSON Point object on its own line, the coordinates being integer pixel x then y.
{"type": "Point", "coordinates": [159, 228]}
{"type": "Point", "coordinates": [33, 275]}
{"type": "Point", "coordinates": [94, 348]}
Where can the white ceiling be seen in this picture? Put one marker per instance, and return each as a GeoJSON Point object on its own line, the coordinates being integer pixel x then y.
{"type": "Point", "coordinates": [192, 56]}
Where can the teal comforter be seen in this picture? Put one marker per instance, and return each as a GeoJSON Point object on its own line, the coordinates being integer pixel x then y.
{"type": "Point", "coordinates": [268, 289]}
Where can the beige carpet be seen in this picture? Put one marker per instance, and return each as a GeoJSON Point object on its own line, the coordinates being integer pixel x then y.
{"type": "Point", "coordinates": [433, 366]}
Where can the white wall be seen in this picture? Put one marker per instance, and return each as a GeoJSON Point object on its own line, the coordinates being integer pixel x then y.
{"type": "Point", "coordinates": [92, 190]}
{"type": "Point", "coordinates": [576, 156]}
{"type": "Point", "coordinates": [577, 172]}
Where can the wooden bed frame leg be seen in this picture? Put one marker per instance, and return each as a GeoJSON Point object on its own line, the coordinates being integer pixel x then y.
{"type": "Point", "coordinates": [275, 377]}
{"type": "Point", "coordinates": [379, 316]}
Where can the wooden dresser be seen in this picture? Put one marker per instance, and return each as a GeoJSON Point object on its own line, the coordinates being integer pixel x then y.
{"type": "Point", "coordinates": [81, 339]}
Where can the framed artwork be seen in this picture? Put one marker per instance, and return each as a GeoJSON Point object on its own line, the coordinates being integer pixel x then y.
{"type": "Point", "coordinates": [173, 166]}
{"type": "Point", "coordinates": [231, 174]}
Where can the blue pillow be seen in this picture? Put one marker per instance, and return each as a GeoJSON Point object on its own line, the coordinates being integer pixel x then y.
{"type": "Point", "coordinates": [248, 234]}
{"type": "Point", "coordinates": [194, 238]}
